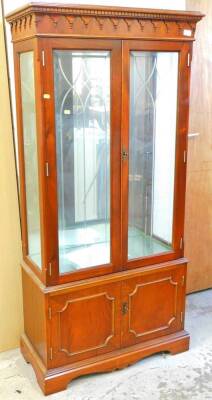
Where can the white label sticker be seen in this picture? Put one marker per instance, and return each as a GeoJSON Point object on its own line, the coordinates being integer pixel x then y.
{"type": "Point", "coordinates": [67, 112]}
{"type": "Point", "coordinates": [187, 32]}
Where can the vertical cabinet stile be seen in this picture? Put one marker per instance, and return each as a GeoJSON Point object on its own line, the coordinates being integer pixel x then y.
{"type": "Point", "coordinates": [49, 161]}
{"type": "Point", "coordinates": [41, 135]}
{"type": "Point", "coordinates": [181, 149]}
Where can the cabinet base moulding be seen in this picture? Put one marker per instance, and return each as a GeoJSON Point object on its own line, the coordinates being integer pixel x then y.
{"type": "Point", "coordinates": [57, 379]}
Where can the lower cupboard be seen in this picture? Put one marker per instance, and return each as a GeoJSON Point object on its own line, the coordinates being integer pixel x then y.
{"type": "Point", "coordinates": [104, 323]}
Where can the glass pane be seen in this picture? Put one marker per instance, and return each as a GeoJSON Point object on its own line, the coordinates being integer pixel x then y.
{"type": "Point", "coordinates": [82, 109]}
{"type": "Point", "coordinates": [30, 156]}
{"type": "Point", "coordinates": [153, 106]}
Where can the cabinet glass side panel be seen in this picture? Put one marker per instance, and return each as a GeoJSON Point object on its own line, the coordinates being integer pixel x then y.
{"type": "Point", "coordinates": [30, 156]}
{"type": "Point", "coordinates": [153, 110]}
{"type": "Point", "coordinates": [82, 115]}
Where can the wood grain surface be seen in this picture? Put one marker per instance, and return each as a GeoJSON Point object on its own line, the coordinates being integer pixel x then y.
{"type": "Point", "coordinates": [198, 221]}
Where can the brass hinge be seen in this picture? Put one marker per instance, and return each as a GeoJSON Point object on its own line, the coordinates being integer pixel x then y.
{"type": "Point", "coordinates": [185, 156]}
{"type": "Point", "coordinates": [181, 317]}
{"type": "Point", "coordinates": [43, 57]}
{"type": "Point", "coordinates": [183, 280]}
{"type": "Point", "coordinates": [47, 168]}
{"type": "Point", "coordinates": [51, 353]}
{"type": "Point", "coordinates": [181, 243]}
{"type": "Point", "coordinates": [124, 308]}
{"type": "Point", "coordinates": [124, 154]}
{"type": "Point", "coordinates": [50, 269]}
{"type": "Point", "coordinates": [189, 60]}
{"type": "Point", "coordinates": [50, 313]}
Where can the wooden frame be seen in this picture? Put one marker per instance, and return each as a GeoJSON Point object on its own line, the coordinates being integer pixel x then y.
{"type": "Point", "coordinates": [116, 326]}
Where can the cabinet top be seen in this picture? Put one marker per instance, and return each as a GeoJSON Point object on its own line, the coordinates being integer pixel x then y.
{"type": "Point", "coordinates": [43, 19]}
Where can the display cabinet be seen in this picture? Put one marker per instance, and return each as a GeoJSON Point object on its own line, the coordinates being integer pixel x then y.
{"type": "Point", "coordinates": [102, 98]}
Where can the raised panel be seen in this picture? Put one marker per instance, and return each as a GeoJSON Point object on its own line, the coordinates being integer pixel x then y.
{"type": "Point", "coordinates": [74, 339]}
{"type": "Point", "coordinates": [84, 323]}
{"type": "Point", "coordinates": [157, 313]}
{"type": "Point", "coordinates": [155, 305]}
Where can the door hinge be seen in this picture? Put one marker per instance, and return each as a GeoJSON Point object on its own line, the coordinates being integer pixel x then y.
{"type": "Point", "coordinates": [51, 353]}
{"type": "Point", "coordinates": [181, 317]}
{"type": "Point", "coordinates": [50, 269]}
{"type": "Point", "coordinates": [43, 57]}
{"type": "Point", "coordinates": [181, 243]}
{"type": "Point", "coordinates": [124, 308]}
{"type": "Point", "coordinates": [50, 313]}
{"type": "Point", "coordinates": [189, 60]}
{"type": "Point", "coordinates": [184, 156]}
{"type": "Point", "coordinates": [124, 154]}
{"type": "Point", "coordinates": [47, 168]}
{"type": "Point", "coordinates": [183, 280]}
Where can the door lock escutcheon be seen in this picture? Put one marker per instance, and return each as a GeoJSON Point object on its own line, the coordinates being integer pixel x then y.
{"type": "Point", "coordinates": [124, 154]}
{"type": "Point", "coordinates": [124, 308]}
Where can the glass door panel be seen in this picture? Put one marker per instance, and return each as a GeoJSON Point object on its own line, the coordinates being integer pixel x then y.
{"type": "Point", "coordinates": [152, 137]}
{"type": "Point", "coordinates": [82, 110]}
{"type": "Point", "coordinates": [30, 156]}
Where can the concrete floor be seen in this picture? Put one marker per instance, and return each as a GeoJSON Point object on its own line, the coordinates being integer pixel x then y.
{"type": "Point", "coordinates": [186, 376]}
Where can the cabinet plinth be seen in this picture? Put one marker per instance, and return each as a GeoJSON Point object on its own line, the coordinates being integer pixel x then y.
{"type": "Point", "coordinates": [102, 96]}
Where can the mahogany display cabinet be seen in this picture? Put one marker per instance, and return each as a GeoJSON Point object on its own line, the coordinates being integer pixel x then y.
{"type": "Point", "coordinates": [102, 98]}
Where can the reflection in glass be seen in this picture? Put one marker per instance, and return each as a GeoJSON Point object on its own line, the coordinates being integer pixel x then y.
{"type": "Point", "coordinates": [153, 104]}
{"type": "Point", "coordinates": [82, 108]}
{"type": "Point", "coordinates": [30, 156]}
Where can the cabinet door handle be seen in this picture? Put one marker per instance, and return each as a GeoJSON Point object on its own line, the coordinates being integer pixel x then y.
{"type": "Point", "coordinates": [124, 308]}
{"type": "Point", "coordinates": [193, 135]}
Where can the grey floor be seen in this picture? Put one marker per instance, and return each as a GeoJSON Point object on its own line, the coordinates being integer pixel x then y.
{"type": "Point", "coordinates": [160, 377]}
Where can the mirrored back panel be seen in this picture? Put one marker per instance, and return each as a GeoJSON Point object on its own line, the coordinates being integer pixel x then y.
{"type": "Point", "coordinates": [153, 111]}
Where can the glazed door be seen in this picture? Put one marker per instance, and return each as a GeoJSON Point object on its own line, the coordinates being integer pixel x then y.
{"type": "Point", "coordinates": [155, 98]}
{"type": "Point", "coordinates": [86, 147]}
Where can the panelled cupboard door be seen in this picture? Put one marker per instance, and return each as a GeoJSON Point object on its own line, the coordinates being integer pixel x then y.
{"type": "Point", "coordinates": [152, 305]}
{"type": "Point", "coordinates": [154, 141]}
{"type": "Point", "coordinates": [84, 323]}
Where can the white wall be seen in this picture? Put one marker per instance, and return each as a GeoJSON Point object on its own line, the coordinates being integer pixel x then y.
{"type": "Point", "coordinates": [10, 5]}
{"type": "Point", "coordinates": [164, 145]}
{"type": "Point", "coordinates": [11, 321]}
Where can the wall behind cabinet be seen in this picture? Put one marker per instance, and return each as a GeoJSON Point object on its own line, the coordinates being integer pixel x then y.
{"type": "Point", "coordinates": [10, 239]}
{"type": "Point", "coordinates": [198, 224]}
